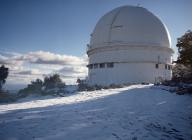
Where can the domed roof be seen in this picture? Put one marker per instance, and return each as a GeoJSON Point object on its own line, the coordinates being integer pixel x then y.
{"type": "Point", "coordinates": [130, 25]}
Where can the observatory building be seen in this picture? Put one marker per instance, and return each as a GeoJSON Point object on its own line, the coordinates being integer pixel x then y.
{"type": "Point", "coordinates": [129, 45]}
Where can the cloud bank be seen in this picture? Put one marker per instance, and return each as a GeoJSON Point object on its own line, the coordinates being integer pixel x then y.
{"type": "Point", "coordinates": [29, 66]}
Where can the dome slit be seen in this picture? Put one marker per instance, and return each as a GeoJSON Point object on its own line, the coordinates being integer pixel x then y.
{"type": "Point", "coordinates": [111, 25]}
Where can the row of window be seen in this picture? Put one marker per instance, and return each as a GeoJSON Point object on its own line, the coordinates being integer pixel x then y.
{"type": "Point", "coordinates": [167, 67]}
{"type": "Point", "coordinates": [101, 65]}
{"type": "Point", "coordinates": [111, 65]}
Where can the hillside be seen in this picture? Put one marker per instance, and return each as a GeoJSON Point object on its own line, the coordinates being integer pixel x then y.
{"type": "Point", "coordinates": [139, 112]}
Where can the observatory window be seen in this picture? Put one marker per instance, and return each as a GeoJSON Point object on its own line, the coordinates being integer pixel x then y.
{"type": "Point", "coordinates": [169, 67]}
{"type": "Point", "coordinates": [95, 66]}
{"type": "Point", "coordinates": [156, 66]}
{"type": "Point", "coordinates": [110, 65]}
{"type": "Point", "coordinates": [102, 65]}
{"type": "Point", "coordinates": [90, 66]}
{"type": "Point", "coordinates": [166, 66]}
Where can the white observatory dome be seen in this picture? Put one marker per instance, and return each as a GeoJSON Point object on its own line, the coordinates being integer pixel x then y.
{"type": "Point", "coordinates": [130, 25]}
{"type": "Point", "coordinates": [129, 45]}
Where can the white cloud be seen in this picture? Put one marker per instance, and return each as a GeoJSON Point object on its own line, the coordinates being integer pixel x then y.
{"type": "Point", "coordinates": [29, 72]}
{"type": "Point", "coordinates": [32, 65]}
{"type": "Point", "coordinates": [41, 57]}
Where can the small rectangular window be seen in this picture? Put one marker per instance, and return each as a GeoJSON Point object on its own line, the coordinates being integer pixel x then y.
{"type": "Point", "coordinates": [156, 66]}
{"type": "Point", "coordinates": [169, 67]}
{"type": "Point", "coordinates": [102, 65]}
{"type": "Point", "coordinates": [110, 65]}
{"type": "Point", "coordinates": [95, 66]}
{"type": "Point", "coordinates": [91, 66]}
{"type": "Point", "coordinates": [166, 66]}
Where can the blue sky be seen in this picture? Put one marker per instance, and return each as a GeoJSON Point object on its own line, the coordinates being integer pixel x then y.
{"type": "Point", "coordinates": [62, 28]}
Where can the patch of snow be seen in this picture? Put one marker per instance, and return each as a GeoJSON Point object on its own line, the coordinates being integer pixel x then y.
{"type": "Point", "coordinates": [160, 103]}
{"type": "Point", "coordinates": [135, 112]}
{"type": "Point", "coordinates": [71, 88]}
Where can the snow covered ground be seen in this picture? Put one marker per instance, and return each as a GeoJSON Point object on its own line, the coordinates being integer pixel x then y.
{"type": "Point", "coordinates": [138, 112]}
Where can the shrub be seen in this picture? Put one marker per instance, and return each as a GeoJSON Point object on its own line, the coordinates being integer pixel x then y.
{"type": "Point", "coordinates": [34, 88]}
{"type": "Point", "coordinates": [50, 86]}
{"type": "Point", "coordinates": [53, 81]}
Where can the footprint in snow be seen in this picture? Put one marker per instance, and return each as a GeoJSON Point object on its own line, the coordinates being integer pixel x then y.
{"type": "Point", "coordinates": [116, 136]}
{"type": "Point", "coordinates": [20, 117]}
{"type": "Point", "coordinates": [166, 135]}
{"type": "Point", "coordinates": [130, 123]}
{"type": "Point", "coordinates": [170, 124]}
{"type": "Point", "coordinates": [134, 138]}
{"type": "Point", "coordinates": [175, 130]}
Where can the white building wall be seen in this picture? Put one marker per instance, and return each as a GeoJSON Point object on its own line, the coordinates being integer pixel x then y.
{"type": "Point", "coordinates": [131, 54]}
{"type": "Point", "coordinates": [131, 65]}
{"type": "Point", "coordinates": [123, 73]}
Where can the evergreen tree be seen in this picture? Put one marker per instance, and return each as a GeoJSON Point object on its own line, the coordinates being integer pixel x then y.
{"type": "Point", "coordinates": [182, 71]}
{"type": "Point", "coordinates": [184, 45]}
{"type": "Point", "coordinates": [35, 87]}
{"type": "Point", "coordinates": [53, 81]}
{"type": "Point", "coordinates": [3, 75]}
